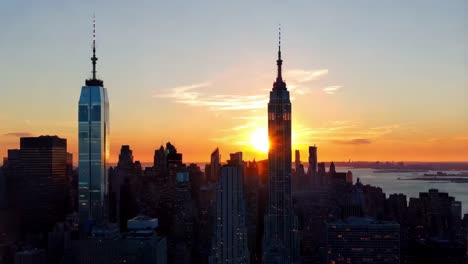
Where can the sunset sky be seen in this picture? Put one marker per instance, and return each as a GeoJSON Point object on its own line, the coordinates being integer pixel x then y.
{"type": "Point", "coordinates": [370, 80]}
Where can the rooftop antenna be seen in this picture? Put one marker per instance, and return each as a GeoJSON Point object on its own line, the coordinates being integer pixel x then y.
{"type": "Point", "coordinates": [94, 58]}
{"type": "Point", "coordinates": [94, 81]}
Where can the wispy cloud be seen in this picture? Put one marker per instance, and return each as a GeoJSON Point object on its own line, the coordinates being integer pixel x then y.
{"type": "Point", "coordinates": [297, 79]}
{"type": "Point", "coordinates": [354, 141]}
{"type": "Point", "coordinates": [300, 76]}
{"type": "Point", "coordinates": [184, 92]}
{"type": "Point", "coordinates": [249, 117]}
{"type": "Point", "coordinates": [190, 96]}
{"type": "Point", "coordinates": [242, 127]}
{"type": "Point", "coordinates": [331, 89]}
{"type": "Point", "coordinates": [18, 134]}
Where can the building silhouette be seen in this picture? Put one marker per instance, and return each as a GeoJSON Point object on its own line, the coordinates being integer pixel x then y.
{"type": "Point", "coordinates": [362, 240]}
{"type": "Point", "coordinates": [280, 243]}
{"type": "Point", "coordinates": [140, 244]}
{"type": "Point", "coordinates": [312, 171]}
{"type": "Point", "coordinates": [93, 144]}
{"type": "Point", "coordinates": [252, 188]}
{"type": "Point", "coordinates": [214, 166]}
{"type": "Point", "coordinates": [180, 239]}
{"type": "Point", "coordinates": [42, 183]}
{"type": "Point", "coordinates": [230, 237]}
{"type": "Point", "coordinates": [123, 180]}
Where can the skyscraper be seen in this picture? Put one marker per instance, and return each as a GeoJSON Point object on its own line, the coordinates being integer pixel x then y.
{"type": "Point", "coordinates": [43, 177]}
{"type": "Point", "coordinates": [215, 166]}
{"type": "Point", "coordinates": [312, 172]}
{"type": "Point", "coordinates": [280, 243]}
{"type": "Point", "coordinates": [297, 160]}
{"type": "Point", "coordinates": [230, 237]}
{"type": "Point", "coordinates": [93, 144]}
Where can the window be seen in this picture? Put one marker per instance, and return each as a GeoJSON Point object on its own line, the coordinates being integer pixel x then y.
{"type": "Point", "coordinates": [83, 113]}
{"type": "Point", "coordinates": [83, 135]}
{"type": "Point", "coordinates": [96, 113]}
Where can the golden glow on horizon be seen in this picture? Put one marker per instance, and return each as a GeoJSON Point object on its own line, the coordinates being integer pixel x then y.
{"type": "Point", "coordinates": [259, 139]}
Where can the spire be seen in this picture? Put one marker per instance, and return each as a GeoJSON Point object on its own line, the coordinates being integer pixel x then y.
{"type": "Point", "coordinates": [279, 62]}
{"type": "Point", "coordinates": [279, 83]}
{"type": "Point", "coordinates": [94, 81]}
{"type": "Point", "coordinates": [94, 58]}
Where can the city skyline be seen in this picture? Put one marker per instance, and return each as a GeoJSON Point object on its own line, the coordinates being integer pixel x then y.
{"type": "Point", "coordinates": [220, 80]}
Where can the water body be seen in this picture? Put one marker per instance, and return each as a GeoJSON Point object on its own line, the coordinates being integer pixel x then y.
{"type": "Point", "coordinates": [411, 188]}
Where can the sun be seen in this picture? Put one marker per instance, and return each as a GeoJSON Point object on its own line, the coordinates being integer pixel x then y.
{"type": "Point", "coordinates": [259, 139]}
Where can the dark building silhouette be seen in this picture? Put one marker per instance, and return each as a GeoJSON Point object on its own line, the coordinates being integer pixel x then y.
{"type": "Point", "coordinates": [280, 237]}
{"type": "Point", "coordinates": [123, 183]}
{"type": "Point", "coordinates": [363, 240]}
{"type": "Point", "coordinates": [437, 212]}
{"type": "Point", "coordinates": [181, 238]}
{"type": "Point", "coordinates": [299, 178]}
{"type": "Point", "coordinates": [312, 171]}
{"type": "Point", "coordinates": [332, 170]}
{"type": "Point", "coordinates": [42, 183]}
{"type": "Point", "coordinates": [174, 158]}
{"type": "Point", "coordinates": [321, 175]}
{"type": "Point", "coordinates": [214, 168]}
{"type": "Point", "coordinates": [230, 236]}
{"type": "Point", "coordinates": [252, 199]}
{"type": "Point", "coordinates": [160, 161]}
{"type": "Point", "coordinates": [140, 244]}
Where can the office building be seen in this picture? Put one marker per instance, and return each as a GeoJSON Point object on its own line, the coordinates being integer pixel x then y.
{"type": "Point", "coordinates": [93, 149]}
{"type": "Point", "coordinates": [362, 240]}
{"type": "Point", "coordinates": [280, 238]}
{"type": "Point", "coordinates": [42, 183]}
{"type": "Point", "coordinates": [230, 237]}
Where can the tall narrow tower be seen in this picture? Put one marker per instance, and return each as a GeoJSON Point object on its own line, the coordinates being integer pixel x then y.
{"type": "Point", "coordinates": [312, 172]}
{"type": "Point", "coordinates": [229, 244]}
{"type": "Point", "coordinates": [93, 147]}
{"type": "Point", "coordinates": [280, 243]}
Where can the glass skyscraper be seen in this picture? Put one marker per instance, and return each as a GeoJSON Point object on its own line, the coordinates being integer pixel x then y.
{"type": "Point", "coordinates": [93, 144]}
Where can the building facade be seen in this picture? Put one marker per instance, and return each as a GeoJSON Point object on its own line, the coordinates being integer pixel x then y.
{"type": "Point", "coordinates": [93, 148]}
{"type": "Point", "coordinates": [363, 240]}
{"type": "Point", "coordinates": [230, 237]}
{"type": "Point", "coordinates": [43, 178]}
{"type": "Point", "coordinates": [280, 244]}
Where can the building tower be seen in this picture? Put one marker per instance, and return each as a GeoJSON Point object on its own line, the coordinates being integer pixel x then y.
{"type": "Point", "coordinates": [297, 160]}
{"type": "Point", "coordinates": [312, 172]}
{"type": "Point", "coordinates": [93, 147]}
{"type": "Point", "coordinates": [280, 243]}
{"type": "Point", "coordinates": [43, 176]}
{"type": "Point", "coordinates": [215, 166]}
{"type": "Point", "coordinates": [230, 243]}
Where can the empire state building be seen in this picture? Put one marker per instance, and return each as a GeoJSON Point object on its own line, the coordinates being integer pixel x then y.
{"type": "Point", "coordinates": [280, 243]}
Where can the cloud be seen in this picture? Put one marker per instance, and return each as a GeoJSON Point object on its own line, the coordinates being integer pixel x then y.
{"type": "Point", "coordinates": [184, 92]}
{"type": "Point", "coordinates": [354, 141]}
{"type": "Point", "coordinates": [300, 76]}
{"type": "Point", "coordinates": [187, 95]}
{"type": "Point", "coordinates": [18, 134]}
{"type": "Point", "coordinates": [242, 127]}
{"type": "Point", "coordinates": [331, 89]}
{"type": "Point", "coordinates": [250, 117]}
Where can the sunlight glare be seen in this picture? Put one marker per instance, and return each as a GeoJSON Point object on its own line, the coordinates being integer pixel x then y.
{"type": "Point", "coordinates": [259, 139]}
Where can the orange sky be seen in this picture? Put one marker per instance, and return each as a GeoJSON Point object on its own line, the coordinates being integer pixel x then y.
{"type": "Point", "coordinates": [386, 84]}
